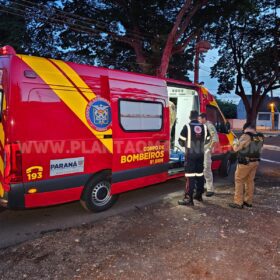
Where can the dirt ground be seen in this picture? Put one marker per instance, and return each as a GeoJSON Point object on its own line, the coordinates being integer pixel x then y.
{"type": "Point", "coordinates": [162, 241]}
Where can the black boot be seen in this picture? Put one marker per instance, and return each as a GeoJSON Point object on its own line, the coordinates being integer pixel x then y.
{"type": "Point", "coordinates": [208, 194]}
{"type": "Point", "coordinates": [198, 197]}
{"type": "Point", "coordinates": [235, 205]}
{"type": "Point", "coordinates": [187, 201]}
{"type": "Point", "coordinates": [247, 204]}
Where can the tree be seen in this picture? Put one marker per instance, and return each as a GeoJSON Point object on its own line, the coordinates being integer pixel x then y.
{"type": "Point", "coordinates": [12, 30]}
{"type": "Point", "coordinates": [228, 108]}
{"type": "Point", "coordinates": [144, 36]}
{"type": "Point", "coordinates": [248, 47]}
{"type": "Point", "coordinates": [155, 37]}
{"type": "Point", "coordinates": [177, 40]}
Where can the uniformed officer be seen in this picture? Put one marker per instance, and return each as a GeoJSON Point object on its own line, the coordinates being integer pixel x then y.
{"type": "Point", "coordinates": [193, 137]}
{"type": "Point", "coordinates": [249, 151]}
{"type": "Point", "coordinates": [208, 175]}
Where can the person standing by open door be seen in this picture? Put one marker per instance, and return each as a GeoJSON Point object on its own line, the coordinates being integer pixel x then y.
{"type": "Point", "coordinates": [214, 138]}
{"type": "Point", "coordinates": [193, 137]}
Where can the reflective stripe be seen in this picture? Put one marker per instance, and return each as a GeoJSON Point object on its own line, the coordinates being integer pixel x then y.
{"type": "Point", "coordinates": [193, 174]}
{"type": "Point", "coordinates": [205, 133]}
{"type": "Point", "coordinates": [190, 174]}
{"type": "Point", "coordinates": [1, 190]}
{"type": "Point", "coordinates": [189, 136]}
{"type": "Point", "coordinates": [2, 135]}
{"type": "Point", "coordinates": [50, 72]}
{"type": "Point", "coordinates": [183, 138]}
{"type": "Point", "coordinates": [75, 79]}
{"type": "Point", "coordinates": [2, 166]}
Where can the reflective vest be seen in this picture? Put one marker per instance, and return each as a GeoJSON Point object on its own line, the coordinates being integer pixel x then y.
{"type": "Point", "coordinates": [194, 136]}
{"type": "Point", "coordinates": [253, 150]}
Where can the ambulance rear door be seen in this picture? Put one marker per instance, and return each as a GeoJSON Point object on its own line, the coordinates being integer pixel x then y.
{"type": "Point", "coordinates": [185, 100]}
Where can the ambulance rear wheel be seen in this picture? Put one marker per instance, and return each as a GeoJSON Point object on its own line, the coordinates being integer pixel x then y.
{"type": "Point", "coordinates": [225, 166]}
{"type": "Point", "coordinates": [96, 195]}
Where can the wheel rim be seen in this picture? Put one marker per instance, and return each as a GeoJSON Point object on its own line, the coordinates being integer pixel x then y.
{"type": "Point", "coordinates": [101, 193]}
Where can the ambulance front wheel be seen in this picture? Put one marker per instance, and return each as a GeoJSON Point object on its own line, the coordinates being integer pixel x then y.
{"type": "Point", "coordinates": [225, 167]}
{"type": "Point", "coordinates": [96, 196]}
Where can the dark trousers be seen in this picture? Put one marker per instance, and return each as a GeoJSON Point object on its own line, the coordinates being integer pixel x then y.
{"type": "Point", "coordinates": [194, 176]}
{"type": "Point", "coordinates": [192, 183]}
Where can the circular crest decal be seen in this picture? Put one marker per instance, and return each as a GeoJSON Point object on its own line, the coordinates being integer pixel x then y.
{"type": "Point", "coordinates": [98, 114]}
{"type": "Point", "coordinates": [197, 129]}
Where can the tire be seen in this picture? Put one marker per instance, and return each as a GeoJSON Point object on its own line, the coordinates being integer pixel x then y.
{"type": "Point", "coordinates": [96, 195]}
{"type": "Point", "coordinates": [225, 167]}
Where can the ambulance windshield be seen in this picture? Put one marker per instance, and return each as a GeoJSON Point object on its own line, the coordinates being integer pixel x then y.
{"type": "Point", "coordinates": [182, 101]}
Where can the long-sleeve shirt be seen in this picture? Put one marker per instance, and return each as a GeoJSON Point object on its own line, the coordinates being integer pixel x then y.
{"type": "Point", "coordinates": [214, 138]}
{"type": "Point", "coordinates": [243, 142]}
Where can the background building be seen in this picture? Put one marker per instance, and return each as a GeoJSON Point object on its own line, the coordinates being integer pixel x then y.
{"type": "Point", "coordinates": [264, 118]}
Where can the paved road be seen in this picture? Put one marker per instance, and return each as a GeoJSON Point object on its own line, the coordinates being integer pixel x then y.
{"type": "Point", "coordinates": [271, 151]}
{"type": "Point", "coordinates": [18, 226]}
{"type": "Point", "coordinates": [273, 156]}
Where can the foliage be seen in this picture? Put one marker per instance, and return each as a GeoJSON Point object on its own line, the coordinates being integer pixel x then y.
{"type": "Point", "coordinates": [12, 30]}
{"type": "Point", "coordinates": [228, 108]}
{"type": "Point", "coordinates": [150, 36]}
{"type": "Point", "coordinates": [249, 48]}
{"type": "Point", "coordinates": [128, 35]}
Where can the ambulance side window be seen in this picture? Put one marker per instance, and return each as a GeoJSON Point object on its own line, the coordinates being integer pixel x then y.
{"type": "Point", "coordinates": [140, 115]}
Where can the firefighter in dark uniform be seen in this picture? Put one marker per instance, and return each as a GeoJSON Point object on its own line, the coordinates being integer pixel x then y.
{"type": "Point", "coordinates": [193, 137]}
{"type": "Point", "coordinates": [249, 152]}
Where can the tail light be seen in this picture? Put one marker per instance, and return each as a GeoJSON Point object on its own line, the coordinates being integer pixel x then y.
{"type": "Point", "coordinates": [13, 163]}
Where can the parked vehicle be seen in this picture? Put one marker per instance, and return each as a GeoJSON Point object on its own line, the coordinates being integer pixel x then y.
{"type": "Point", "coordinates": [75, 132]}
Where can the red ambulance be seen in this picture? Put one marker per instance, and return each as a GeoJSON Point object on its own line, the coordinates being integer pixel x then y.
{"type": "Point", "coordinates": [75, 132]}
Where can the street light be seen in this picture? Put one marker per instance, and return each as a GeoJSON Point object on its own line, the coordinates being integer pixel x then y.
{"type": "Point", "coordinates": [272, 110]}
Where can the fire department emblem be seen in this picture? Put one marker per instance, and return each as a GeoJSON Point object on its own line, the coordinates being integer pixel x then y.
{"type": "Point", "coordinates": [98, 114]}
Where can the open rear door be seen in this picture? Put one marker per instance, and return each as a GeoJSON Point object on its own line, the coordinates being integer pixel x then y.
{"type": "Point", "coordinates": [185, 100]}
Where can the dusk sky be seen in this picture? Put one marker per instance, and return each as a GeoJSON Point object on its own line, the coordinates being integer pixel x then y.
{"type": "Point", "coordinates": [212, 84]}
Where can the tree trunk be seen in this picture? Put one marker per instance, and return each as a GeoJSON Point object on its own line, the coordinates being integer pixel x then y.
{"type": "Point", "coordinates": [166, 58]}
{"type": "Point", "coordinates": [140, 58]}
{"type": "Point", "coordinates": [167, 52]}
{"type": "Point", "coordinates": [252, 116]}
